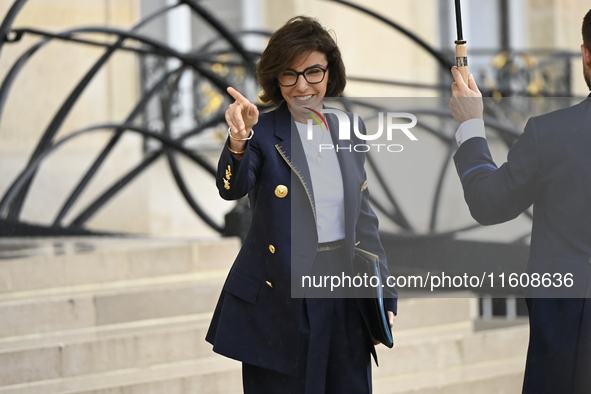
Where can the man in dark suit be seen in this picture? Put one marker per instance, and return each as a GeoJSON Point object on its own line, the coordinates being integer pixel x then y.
{"type": "Point", "coordinates": [549, 167]}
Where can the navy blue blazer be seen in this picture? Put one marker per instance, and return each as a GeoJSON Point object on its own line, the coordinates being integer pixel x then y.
{"type": "Point", "coordinates": [550, 167]}
{"type": "Point", "coordinates": [257, 317]}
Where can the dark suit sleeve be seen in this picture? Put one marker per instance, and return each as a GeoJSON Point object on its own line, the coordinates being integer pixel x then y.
{"type": "Point", "coordinates": [498, 195]}
{"type": "Point", "coordinates": [366, 233]}
{"type": "Point", "coordinates": [235, 178]}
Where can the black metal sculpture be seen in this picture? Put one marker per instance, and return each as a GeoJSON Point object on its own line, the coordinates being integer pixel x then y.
{"type": "Point", "coordinates": [200, 63]}
{"type": "Point", "coordinates": [13, 199]}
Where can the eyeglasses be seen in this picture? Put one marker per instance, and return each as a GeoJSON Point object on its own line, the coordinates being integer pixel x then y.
{"type": "Point", "coordinates": [312, 75]}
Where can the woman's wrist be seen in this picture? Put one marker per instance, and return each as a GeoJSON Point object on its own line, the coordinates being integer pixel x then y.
{"type": "Point", "coordinates": [237, 147]}
{"type": "Point", "coordinates": [236, 152]}
{"type": "Point", "coordinates": [250, 134]}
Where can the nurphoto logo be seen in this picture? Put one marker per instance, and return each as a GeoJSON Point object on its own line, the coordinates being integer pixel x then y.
{"type": "Point", "coordinates": [345, 129]}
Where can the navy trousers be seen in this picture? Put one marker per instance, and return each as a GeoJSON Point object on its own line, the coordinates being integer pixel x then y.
{"type": "Point", "coordinates": [559, 353]}
{"type": "Point", "coordinates": [334, 348]}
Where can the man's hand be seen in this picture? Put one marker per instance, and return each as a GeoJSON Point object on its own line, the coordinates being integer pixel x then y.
{"type": "Point", "coordinates": [391, 316]}
{"type": "Point", "coordinates": [466, 101]}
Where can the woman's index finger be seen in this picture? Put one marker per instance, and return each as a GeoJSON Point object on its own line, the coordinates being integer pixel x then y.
{"type": "Point", "coordinates": [237, 96]}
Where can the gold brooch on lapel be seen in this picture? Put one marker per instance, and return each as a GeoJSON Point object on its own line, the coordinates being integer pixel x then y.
{"type": "Point", "coordinates": [281, 191]}
{"type": "Point", "coordinates": [364, 186]}
{"type": "Point", "coordinates": [227, 179]}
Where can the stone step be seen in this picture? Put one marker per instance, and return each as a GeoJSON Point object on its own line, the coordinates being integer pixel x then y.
{"type": "Point", "coordinates": [120, 346]}
{"type": "Point", "coordinates": [120, 316]}
{"type": "Point", "coordinates": [35, 341]}
{"type": "Point", "coordinates": [426, 312]}
{"type": "Point", "coordinates": [440, 330]}
{"type": "Point", "coordinates": [102, 349]}
{"type": "Point", "coordinates": [500, 376]}
{"type": "Point", "coordinates": [63, 308]}
{"type": "Point", "coordinates": [213, 375]}
{"type": "Point", "coordinates": [509, 383]}
{"type": "Point", "coordinates": [140, 343]}
{"type": "Point", "coordinates": [216, 374]}
{"type": "Point", "coordinates": [78, 307]}
{"type": "Point", "coordinates": [80, 261]}
{"type": "Point", "coordinates": [439, 350]}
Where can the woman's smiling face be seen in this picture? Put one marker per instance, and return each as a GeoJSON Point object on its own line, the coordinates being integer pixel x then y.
{"type": "Point", "coordinates": [303, 93]}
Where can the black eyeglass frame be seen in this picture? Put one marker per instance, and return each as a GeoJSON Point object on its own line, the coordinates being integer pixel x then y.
{"type": "Point", "coordinates": [303, 73]}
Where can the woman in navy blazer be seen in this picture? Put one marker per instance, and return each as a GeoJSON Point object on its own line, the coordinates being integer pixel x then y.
{"type": "Point", "coordinates": [289, 340]}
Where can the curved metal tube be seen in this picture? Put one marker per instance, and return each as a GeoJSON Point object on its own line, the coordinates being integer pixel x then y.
{"type": "Point", "coordinates": [180, 181]}
{"type": "Point", "coordinates": [21, 32]}
{"type": "Point", "coordinates": [173, 164]}
{"type": "Point", "coordinates": [397, 216]}
{"type": "Point", "coordinates": [443, 61]}
{"type": "Point", "coordinates": [111, 144]}
{"type": "Point", "coordinates": [9, 20]}
{"type": "Point", "coordinates": [26, 174]}
{"type": "Point", "coordinates": [507, 134]}
{"type": "Point", "coordinates": [118, 185]}
{"type": "Point", "coordinates": [219, 26]}
{"type": "Point", "coordinates": [58, 119]}
{"type": "Point", "coordinates": [14, 198]}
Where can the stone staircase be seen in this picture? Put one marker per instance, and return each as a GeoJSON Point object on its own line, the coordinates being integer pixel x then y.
{"type": "Point", "coordinates": [431, 357]}
{"type": "Point", "coordinates": [127, 315]}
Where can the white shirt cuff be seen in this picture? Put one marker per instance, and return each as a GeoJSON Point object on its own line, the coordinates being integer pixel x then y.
{"type": "Point", "coordinates": [470, 129]}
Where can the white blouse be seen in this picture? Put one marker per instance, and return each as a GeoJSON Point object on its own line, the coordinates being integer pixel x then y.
{"type": "Point", "coordinates": [327, 183]}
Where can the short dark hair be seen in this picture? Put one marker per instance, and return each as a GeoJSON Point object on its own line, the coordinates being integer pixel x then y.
{"type": "Point", "coordinates": [587, 30]}
{"type": "Point", "coordinates": [301, 34]}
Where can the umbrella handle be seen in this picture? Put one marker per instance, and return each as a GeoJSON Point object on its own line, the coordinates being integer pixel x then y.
{"type": "Point", "coordinates": [462, 59]}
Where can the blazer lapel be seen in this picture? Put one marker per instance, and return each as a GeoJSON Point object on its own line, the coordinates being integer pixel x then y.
{"type": "Point", "coordinates": [292, 151]}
